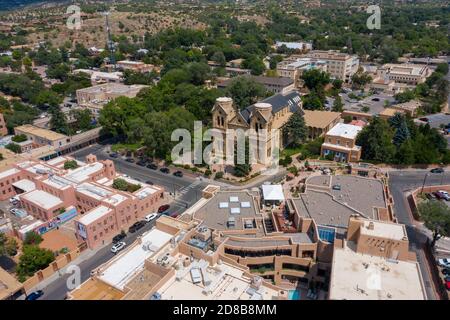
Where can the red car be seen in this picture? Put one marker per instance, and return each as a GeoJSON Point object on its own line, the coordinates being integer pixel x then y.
{"type": "Point", "coordinates": [163, 208]}
{"type": "Point", "coordinates": [447, 284]}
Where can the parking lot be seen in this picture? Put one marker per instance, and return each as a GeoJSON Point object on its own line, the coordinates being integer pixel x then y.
{"type": "Point", "coordinates": [375, 103]}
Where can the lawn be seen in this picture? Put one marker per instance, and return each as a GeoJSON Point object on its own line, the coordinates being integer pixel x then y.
{"type": "Point", "coordinates": [125, 147]}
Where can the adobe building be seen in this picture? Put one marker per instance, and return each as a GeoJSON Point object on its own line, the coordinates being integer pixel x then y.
{"type": "Point", "coordinates": [340, 143]}
{"type": "Point", "coordinates": [46, 190]}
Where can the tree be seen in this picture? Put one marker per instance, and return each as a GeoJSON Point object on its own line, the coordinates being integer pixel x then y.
{"type": "Point", "coordinates": [376, 141]}
{"type": "Point", "coordinates": [337, 84]}
{"type": "Point", "coordinates": [33, 259]}
{"type": "Point", "coordinates": [295, 131]}
{"type": "Point", "coordinates": [19, 138]}
{"type": "Point", "coordinates": [83, 119]}
{"type": "Point", "coordinates": [120, 184]}
{"type": "Point", "coordinates": [48, 98]}
{"type": "Point", "coordinates": [405, 153]}
{"type": "Point", "coordinates": [360, 79]}
{"type": "Point", "coordinates": [32, 237]}
{"type": "Point", "coordinates": [219, 58]}
{"type": "Point", "coordinates": [242, 169]}
{"type": "Point", "coordinates": [70, 164]}
{"type": "Point", "coordinates": [315, 79]}
{"type": "Point", "coordinates": [312, 102]}
{"type": "Point", "coordinates": [58, 120]}
{"type": "Point", "coordinates": [255, 64]}
{"type": "Point", "coordinates": [245, 91]}
{"type": "Point", "coordinates": [405, 96]}
{"type": "Point", "coordinates": [14, 147]}
{"type": "Point", "coordinates": [8, 246]}
{"type": "Point", "coordinates": [338, 106]}
{"type": "Point", "coordinates": [436, 216]}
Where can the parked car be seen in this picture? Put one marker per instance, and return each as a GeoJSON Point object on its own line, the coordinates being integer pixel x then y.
{"type": "Point", "coordinates": [129, 160]}
{"type": "Point", "coordinates": [149, 182]}
{"type": "Point", "coordinates": [119, 237]}
{"type": "Point", "coordinates": [438, 195]}
{"type": "Point", "coordinates": [150, 217]}
{"type": "Point", "coordinates": [118, 246]}
{"type": "Point", "coordinates": [136, 226]}
{"type": "Point", "coordinates": [178, 174]}
{"type": "Point", "coordinates": [13, 210]}
{"type": "Point", "coordinates": [163, 208]}
{"type": "Point", "coordinates": [35, 295]}
{"type": "Point", "coordinates": [424, 119]}
{"type": "Point", "coordinates": [430, 196]}
{"type": "Point", "coordinates": [447, 284]}
{"type": "Point", "coordinates": [337, 187]}
{"type": "Point", "coordinates": [152, 166]}
{"type": "Point", "coordinates": [446, 271]}
{"type": "Point", "coordinates": [114, 155]}
{"type": "Point", "coordinates": [445, 262]}
{"type": "Point", "coordinates": [164, 170]}
{"type": "Point", "coordinates": [376, 99]}
{"type": "Point", "coordinates": [141, 163]}
{"type": "Point", "coordinates": [445, 195]}
{"type": "Point", "coordinates": [437, 170]}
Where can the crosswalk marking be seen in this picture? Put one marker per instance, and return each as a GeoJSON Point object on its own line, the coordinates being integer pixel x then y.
{"type": "Point", "coordinates": [189, 187]}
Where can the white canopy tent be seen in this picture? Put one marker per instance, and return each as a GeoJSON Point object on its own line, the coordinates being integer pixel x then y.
{"type": "Point", "coordinates": [273, 192]}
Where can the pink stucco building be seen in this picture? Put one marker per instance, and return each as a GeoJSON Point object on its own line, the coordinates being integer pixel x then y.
{"type": "Point", "coordinates": [46, 189]}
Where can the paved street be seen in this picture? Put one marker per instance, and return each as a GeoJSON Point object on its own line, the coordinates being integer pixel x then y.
{"type": "Point", "coordinates": [408, 180]}
{"type": "Point", "coordinates": [57, 289]}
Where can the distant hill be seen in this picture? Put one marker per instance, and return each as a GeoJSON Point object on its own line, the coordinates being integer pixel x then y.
{"type": "Point", "coordinates": [14, 4]}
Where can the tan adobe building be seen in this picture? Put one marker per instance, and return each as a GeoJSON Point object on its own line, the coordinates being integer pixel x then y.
{"type": "Point", "coordinates": [410, 108]}
{"type": "Point", "coordinates": [320, 122]}
{"type": "Point", "coordinates": [374, 263]}
{"type": "Point", "coordinates": [294, 66]}
{"type": "Point", "coordinates": [229, 245]}
{"type": "Point", "coordinates": [136, 66]}
{"type": "Point", "coordinates": [269, 114]}
{"type": "Point", "coordinates": [340, 142]}
{"type": "Point", "coordinates": [10, 287]}
{"type": "Point", "coordinates": [95, 97]}
{"type": "Point", "coordinates": [410, 74]}
{"type": "Point", "coordinates": [339, 65]}
{"type": "Point", "coordinates": [42, 137]}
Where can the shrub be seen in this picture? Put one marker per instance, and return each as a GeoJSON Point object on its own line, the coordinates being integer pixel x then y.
{"type": "Point", "coordinates": [14, 147]}
{"type": "Point", "coordinates": [19, 138]}
{"type": "Point", "coordinates": [70, 164]}
{"type": "Point", "coordinates": [208, 172]}
{"type": "Point", "coordinates": [32, 237]}
{"type": "Point", "coordinates": [219, 175]}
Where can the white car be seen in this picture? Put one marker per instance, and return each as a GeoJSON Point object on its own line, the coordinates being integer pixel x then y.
{"type": "Point", "coordinates": [444, 262]}
{"type": "Point", "coordinates": [13, 210]}
{"type": "Point", "coordinates": [445, 194]}
{"type": "Point", "coordinates": [118, 246]}
{"type": "Point", "coordinates": [150, 217]}
{"type": "Point", "coordinates": [14, 200]}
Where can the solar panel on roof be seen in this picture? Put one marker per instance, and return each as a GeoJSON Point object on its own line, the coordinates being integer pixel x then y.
{"type": "Point", "coordinates": [245, 204]}
{"type": "Point", "coordinates": [223, 205]}
{"type": "Point", "coordinates": [235, 210]}
{"type": "Point", "coordinates": [234, 199]}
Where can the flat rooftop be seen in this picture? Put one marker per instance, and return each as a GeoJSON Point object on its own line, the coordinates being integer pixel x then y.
{"type": "Point", "coordinates": [42, 199]}
{"type": "Point", "coordinates": [320, 119]}
{"type": "Point", "coordinates": [84, 172]}
{"type": "Point", "coordinates": [8, 284]}
{"type": "Point", "coordinates": [93, 191]}
{"type": "Point", "coordinates": [8, 173]}
{"type": "Point", "coordinates": [356, 276]}
{"type": "Point", "coordinates": [386, 230]}
{"type": "Point", "coordinates": [40, 132]}
{"type": "Point", "coordinates": [226, 282]}
{"type": "Point", "coordinates": [216, 212]}
{"type": "Point", "coordinates": [94, 214]}
{"type": "Point", "coordinates": [344, 130]}
{"type": "Point", "coordinates": [25, 185]}
{"type": "Point", "coordinates": [328, 207]}
{"type": "Point", "coordinates": [120, 269]}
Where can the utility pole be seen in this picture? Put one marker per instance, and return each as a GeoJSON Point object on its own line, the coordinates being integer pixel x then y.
{"type": "Point", "coordinates": [424, 180]}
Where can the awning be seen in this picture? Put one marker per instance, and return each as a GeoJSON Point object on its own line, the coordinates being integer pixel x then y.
{"type": "Point", "coordinates": [273, 192]}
